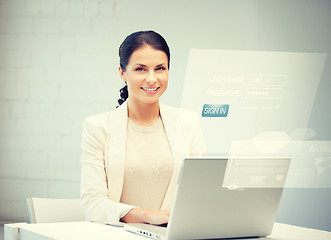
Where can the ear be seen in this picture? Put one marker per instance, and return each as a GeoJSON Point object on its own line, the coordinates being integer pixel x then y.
{"type": "Point", "coordinates": [122, 75]}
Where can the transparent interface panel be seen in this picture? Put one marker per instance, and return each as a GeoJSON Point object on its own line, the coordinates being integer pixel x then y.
{"type": "Point", "coordinates": [258, 103]}
{"type": "Point", "coordinates": [258, 172]}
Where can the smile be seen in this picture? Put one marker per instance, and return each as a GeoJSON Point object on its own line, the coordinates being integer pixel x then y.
{"type": "Point", "coordinates": [150, 89]}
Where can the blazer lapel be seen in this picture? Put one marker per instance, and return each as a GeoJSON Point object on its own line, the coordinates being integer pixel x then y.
{"type": "Point", "coordinates": [117, 147]}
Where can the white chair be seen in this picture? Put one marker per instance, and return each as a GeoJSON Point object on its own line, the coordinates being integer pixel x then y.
{"type": "Point", "coordinates": [46, 210]}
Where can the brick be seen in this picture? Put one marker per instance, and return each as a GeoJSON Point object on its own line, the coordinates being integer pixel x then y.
{"type": "Point", "coordinates": [47, 25]}
{"type": "Point", "coordinates": [31, 42]}
{"type": "Point", "coordinates": [64, 160]}
{"type": "Point", "coordinates": [46, 92]}
{"type": "Point", "coordinates": [7, 75]}
{"type": "Point", "coordinates": [59, 43]}
{"type": "Point", "coordinates": [74, 60]}
{"type": "Point", "coordinates": [104, 26]}
{"type": "Point", "coordinates": [58, 126]}
{"type": "Point", "coordinates": [24, 109]}
{"type": "Point", "coordinates": [2, 26]}
{"type": "Point", "coordinates": [15, 59]}
{"type": "Point", "coordinates": [109, 46]}
{"type": "Point", "coordinates": [41, 143]}
{"type": "Point", "coordinates": [67, 174]}
{"type": "Point", "coordinates": [87, 77]}
{"type": "Point", "coordinates": [12, 172]}
{"type": "Point", "coordinates": [77, 133]}
{"type": "Point", "coordinates": [10, 159]}
{"type": "Point", "coordinates": [78, 130]}
{"type": "Point", "coordinates": [12, 8]}
{"type": "Point", "coordinates": [58, 75]}
{"type": "Point", "coordinates": [4, 110]}
{"type": "Point", "coordinates": [89, 44]}
{"type": "Point", "coordinates": [27, 126]}
{"type": "Point", "coordinates": [34, 159]}
{"type": "Point", "coordinates": [98, 95]}
{"type": "Point", "coordinates": [8, 42]}
{"type": "Point", "coordinates": [108, 8]}
{"type": "Point", "coordinates": [85, 110]}
{"type": "Point", "coordinates": [14, 143]}
{"type": "Point", "coordinates": [40, 174]}
{"type": "Point", "coordinates": [77, 26]}
{"type": "Point", "coordinates": [30, 76]}
{"type": "Point", "coordinates": [67, 109]}
{"type": "Point", "coordinates": [77, 8]}
{"type": "Point", "coordinates": [23, 189]}
{"type": "Point", "coordinates": [67, 143]}
{"type": "Point", "coordinates": [7, 126]}
{"type": "Point", "coordinates": [64, 189]}
{"type": "Point", "coordinates": [47, 109]}
{"type": "Point", "coordinates": [45, 59]}
{"type": "Point", "coordinates": [17, 109]}
{"type": "Point", "coordinates": [92, 8]}
{"type": "Point", "coordinates": [73, 93]}
{"type": "Point", "coordinates": [62, 8]}
{"type": "Point", "coordinates": [101, 108]}
{"type": "Point", "coordinates": [111, 78]}
{"type": "Point", "coordinates": [99, 60]}
{"type": "Point", "coordinates": [18, 25]}
{"type": "Point", "coordinates": [22, 42]}
{"type": "Point", "coordinates": [14, 92]}
{"type": "Point", "coordinates": [33, 8]}
{"type": "Point", "coordinates": [47, 8]}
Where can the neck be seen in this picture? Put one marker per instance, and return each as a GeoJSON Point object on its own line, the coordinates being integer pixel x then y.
{"type": "Point", "coordinates": [143, 114]}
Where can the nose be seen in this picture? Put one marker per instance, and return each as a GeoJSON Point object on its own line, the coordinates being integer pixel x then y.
{"type": "Point", "coordinates": [151, 78]}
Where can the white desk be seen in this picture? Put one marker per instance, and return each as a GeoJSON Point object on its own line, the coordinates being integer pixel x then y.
{"type": "Point", "coordinates": [95, 231]}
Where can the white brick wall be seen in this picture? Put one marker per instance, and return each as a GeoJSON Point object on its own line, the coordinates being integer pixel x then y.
{"type": "Point", "coordinates": [54, 71]}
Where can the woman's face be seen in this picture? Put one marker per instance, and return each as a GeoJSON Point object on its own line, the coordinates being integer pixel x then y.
{"type": "Point", "coordinates": [146, 75]}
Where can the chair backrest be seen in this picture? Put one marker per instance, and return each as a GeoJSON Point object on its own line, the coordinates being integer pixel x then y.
{"type": "Point", "coordinates": [46, 210]}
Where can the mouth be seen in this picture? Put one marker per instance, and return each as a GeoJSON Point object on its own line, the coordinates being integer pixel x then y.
{"type": "Point", "coordinates": [150, 90]}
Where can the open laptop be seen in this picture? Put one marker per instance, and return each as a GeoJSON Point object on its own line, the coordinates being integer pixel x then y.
{"type": "Point", "coordinates": [223, 198]}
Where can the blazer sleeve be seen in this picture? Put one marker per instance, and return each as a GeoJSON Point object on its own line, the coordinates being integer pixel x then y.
{"type": "Point", "coordinates": [98, 207]}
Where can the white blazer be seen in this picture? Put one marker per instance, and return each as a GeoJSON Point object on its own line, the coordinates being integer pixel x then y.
{"type": "Point", "coordinates": [103, 158]}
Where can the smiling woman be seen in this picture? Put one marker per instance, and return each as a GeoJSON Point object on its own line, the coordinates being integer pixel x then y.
{"type": "Point", "coordinates": [138, 41]}
{"type": "Point", "coordinates": [146, 76]}
{"type": "Point", "coordinates": [131, 156]}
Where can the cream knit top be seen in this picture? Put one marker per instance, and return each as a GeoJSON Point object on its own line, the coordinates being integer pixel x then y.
{"type": "Point", "coordinates": [148, 165]}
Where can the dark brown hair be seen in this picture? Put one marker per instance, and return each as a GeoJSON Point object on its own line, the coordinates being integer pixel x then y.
{"type": "Point", "coordinates": [132, 43]}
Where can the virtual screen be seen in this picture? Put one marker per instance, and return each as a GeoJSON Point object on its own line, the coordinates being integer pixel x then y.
{"type": "Point", "coordinates": [256, 103]}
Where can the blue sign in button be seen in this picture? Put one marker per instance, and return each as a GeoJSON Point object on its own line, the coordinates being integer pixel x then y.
{"type": "Point", "coordinates": [215, 110]}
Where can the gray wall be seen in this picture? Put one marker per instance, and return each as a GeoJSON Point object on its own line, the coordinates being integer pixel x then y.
{"type": "Point", "coordinates": [58, 64]}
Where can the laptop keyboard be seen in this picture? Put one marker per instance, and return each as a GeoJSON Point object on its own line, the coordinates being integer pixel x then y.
{"type": "Point", "coordinates": [161, 229]}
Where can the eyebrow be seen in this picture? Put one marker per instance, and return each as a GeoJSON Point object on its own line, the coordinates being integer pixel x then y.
{"type": "Point", "coordinates": [143, 65]}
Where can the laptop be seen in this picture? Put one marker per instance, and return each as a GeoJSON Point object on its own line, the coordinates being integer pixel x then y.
{"type": "Point", "coordinates": [222, 198]}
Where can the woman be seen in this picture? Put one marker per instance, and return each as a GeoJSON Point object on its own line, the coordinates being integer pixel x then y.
{"type": "Point", "coordinates": [131, 156]}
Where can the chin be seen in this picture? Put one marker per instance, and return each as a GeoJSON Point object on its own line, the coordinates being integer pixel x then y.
{"type": "Point", "coordinates": [151, 100]}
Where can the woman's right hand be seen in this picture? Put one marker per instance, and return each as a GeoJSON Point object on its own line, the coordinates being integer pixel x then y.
{"type": "Point", "coordinates": [157, 217]}
{"type": "Point", "coordinates": [142, 215]}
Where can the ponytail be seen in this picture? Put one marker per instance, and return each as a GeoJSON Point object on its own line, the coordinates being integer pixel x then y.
{"type": "Point", "coordinates": [124, 94]}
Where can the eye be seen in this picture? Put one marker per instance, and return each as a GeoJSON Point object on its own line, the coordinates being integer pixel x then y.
{"type": "Point", "coordinates": [160, 69]}
{"type": "Point", "coordinates": [140, 69]}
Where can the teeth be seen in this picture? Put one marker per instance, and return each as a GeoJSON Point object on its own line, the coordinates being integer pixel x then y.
{"type": "Point", "coordinates": [150, 89]}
